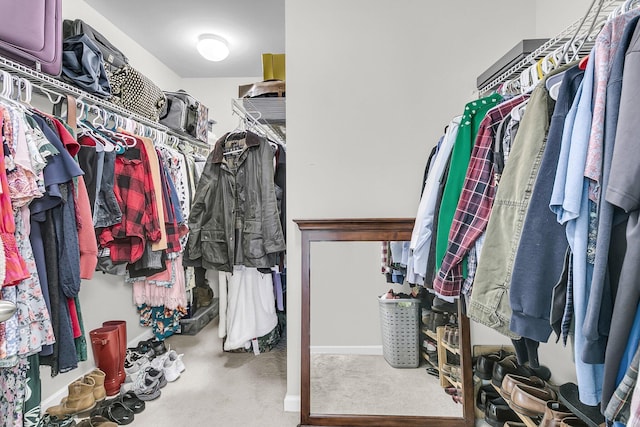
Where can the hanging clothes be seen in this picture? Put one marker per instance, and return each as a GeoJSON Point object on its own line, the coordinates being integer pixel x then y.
{"type": "Point", "coordinates": [476, 199]}
{"type": "Point", "coordinates": [423, 229]}
{"type": "Point", "coordinates": [136, 196]}
{"type": "Point", "coordinates": [234, 219]}
{"type": "Point", "coordinates": [472, 117]}
{"type": "Point", "coordinates": [621, 192]}
{"type": "Point", "coordinates": [251, 307]}
{"type": "Point", "coordinates": [489, 302]}
{"type": "Point", "coordinates": [543, 241]}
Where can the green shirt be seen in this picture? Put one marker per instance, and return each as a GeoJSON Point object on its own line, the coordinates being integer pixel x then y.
{"type": "Point", "coordinates": [474, 113]}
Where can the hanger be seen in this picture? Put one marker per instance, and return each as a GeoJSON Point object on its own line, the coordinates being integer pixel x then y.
{"type": "Point", "coordinates": [629, 4]}
{"type": "Point", "coordinates": [5, 77]}
{"type": "Point", "coordinates": [54, 97]}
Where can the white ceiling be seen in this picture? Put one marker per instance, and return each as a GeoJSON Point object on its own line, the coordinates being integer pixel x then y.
{"type": "Point", "coordinates": [169, 30]}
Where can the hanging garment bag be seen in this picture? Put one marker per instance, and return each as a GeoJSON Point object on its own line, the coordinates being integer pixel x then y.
{"type": "Point", "coordinates": [31, 33]}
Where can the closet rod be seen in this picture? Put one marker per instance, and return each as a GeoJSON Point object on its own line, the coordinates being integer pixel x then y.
{"type": "Point", "coordinates": [575, 30]}
{"type": "Point", "coordinates": [254, 118]}
{"type": "Point", "coordinates": [57, 86]}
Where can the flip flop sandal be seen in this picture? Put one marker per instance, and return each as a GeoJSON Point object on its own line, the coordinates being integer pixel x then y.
{"type": "Point", "coordinates": [97, 421]}
{"type": "Point", "coordinates": [53, 421]}
{"type": "Point", "coordinates": [117, 412]}
{"type": "Point", "coordinates": [131, 401]}
{"type": "Point", "coordinates": [433, 371]}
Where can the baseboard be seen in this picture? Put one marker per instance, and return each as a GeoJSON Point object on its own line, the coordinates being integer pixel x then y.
{"type": "Point", "coordinates": [55, 398]}
{"type": "Point", "coordinates": [370, 350]}
{"type": "Point", "coordinates": [292, 403]}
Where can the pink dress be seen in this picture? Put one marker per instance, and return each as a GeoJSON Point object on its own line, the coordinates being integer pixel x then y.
{"type": "Point", "coordinates": [16, 269]}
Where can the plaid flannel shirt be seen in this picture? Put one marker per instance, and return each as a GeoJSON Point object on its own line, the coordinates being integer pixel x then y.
{"type": "Point", "coordinates": [624, 405]}
{"type": "Point", "coordinates": [474, 206]}
{"type": "Point", "coordinates": [136, 197]}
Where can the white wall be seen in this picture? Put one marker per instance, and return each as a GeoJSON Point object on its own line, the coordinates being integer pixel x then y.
{"type": "Point", "coordinates": [371, 85]}
{"type": "Point", "coordinates": [554, 16]}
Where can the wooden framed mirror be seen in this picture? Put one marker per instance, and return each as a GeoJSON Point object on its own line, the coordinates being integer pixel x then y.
{"type": "Point", "coordinates": [327, 248]}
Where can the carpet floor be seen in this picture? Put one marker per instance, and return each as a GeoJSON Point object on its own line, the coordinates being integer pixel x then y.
{"type": "Point", "coordinates": [364, 384]}
{"type": "Point", "coordinates": [222, 389]}
{"type": "Point", "coordinates": [241, 389]}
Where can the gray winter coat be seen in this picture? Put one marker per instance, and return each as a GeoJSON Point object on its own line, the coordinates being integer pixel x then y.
{"type": "Point", "coordinates": [234, 217]}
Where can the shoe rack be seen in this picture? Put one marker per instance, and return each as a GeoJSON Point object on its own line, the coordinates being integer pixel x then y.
{"type": "Point", "coordinates": [445, 349]}
{"type": "Point", "coordinates": [425, 355]}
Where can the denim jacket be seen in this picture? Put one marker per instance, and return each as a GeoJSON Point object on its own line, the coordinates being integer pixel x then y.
{"type": "Point", "coordinates": [234, 217]}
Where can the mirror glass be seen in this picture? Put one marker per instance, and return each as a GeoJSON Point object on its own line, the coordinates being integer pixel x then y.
{"type": "Point", "coordinates": [349, 373]}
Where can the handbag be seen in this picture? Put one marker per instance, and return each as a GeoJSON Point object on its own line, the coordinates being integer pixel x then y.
{"type": "Point", "coordinates": [134, 91]}
{"type": "Point", "coordinates": [112, 56]}
{"type": "Point", "coordinates": [31, 33]}
{"type": "Point", "coordinates": [185, 114]}
{"type": "Point", "coordinates": [82, 65]}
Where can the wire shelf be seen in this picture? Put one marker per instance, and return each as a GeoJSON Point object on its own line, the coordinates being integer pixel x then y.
{"type": "Point", "coordinates": [579, 29]}
{"type": "Point", "coordinates": [59, 87]}
{"type": "Point", "coordinates": [272, 124]}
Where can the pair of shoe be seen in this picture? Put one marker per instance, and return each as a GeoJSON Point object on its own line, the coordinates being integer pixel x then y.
{"type": "Point", "coordinates": [433, 371]}
{"type": "Point", "coordinates": [452, 371]}
{"type": "Point", "coordinates": [453, 391]}
{"type": "Point", "coordinates": [170, 364]}
{"type": "Point", "coordinates": [443, 306]}
{"type": "Point", "coordinates": [149, 348]}
{"type": "Point", "coordinates": [510, 381]}
{"type": "Point", "coordinates": [531, 400]}
{"type": "Point", "coordinates": [120, 410]}
{"type": "Point", "coordinates": [81, 397]}
{"type": "Point", "coordinates": [97, 421]}
{"type": "Point", "coordinates": [486, 394]}
{"type": "Point", "coordinates": [49, 420]}
{"type": "Point", "coordinates": [483, 368]}
{"type": "Point", "coordinates": [433, 320]}
{"type": "Point", "coordinates": [509, 365]}
{"type": "Point", "coordinates": [451, 336]}
{"type": "Point", "coordinates": [498, 412]}
{"type": "Point", "coordinates": [146, 383]}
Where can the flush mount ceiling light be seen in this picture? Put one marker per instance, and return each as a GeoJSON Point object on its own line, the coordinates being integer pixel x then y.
{"type": "Point", "coordinates": [212, 47]}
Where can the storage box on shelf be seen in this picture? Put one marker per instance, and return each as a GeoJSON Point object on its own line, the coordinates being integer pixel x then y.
{"type": "Point", "coordinates": [200, 319]}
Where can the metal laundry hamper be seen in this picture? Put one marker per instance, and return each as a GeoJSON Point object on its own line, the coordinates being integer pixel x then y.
{"type": "Point", "coordinates": [400, 326]}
